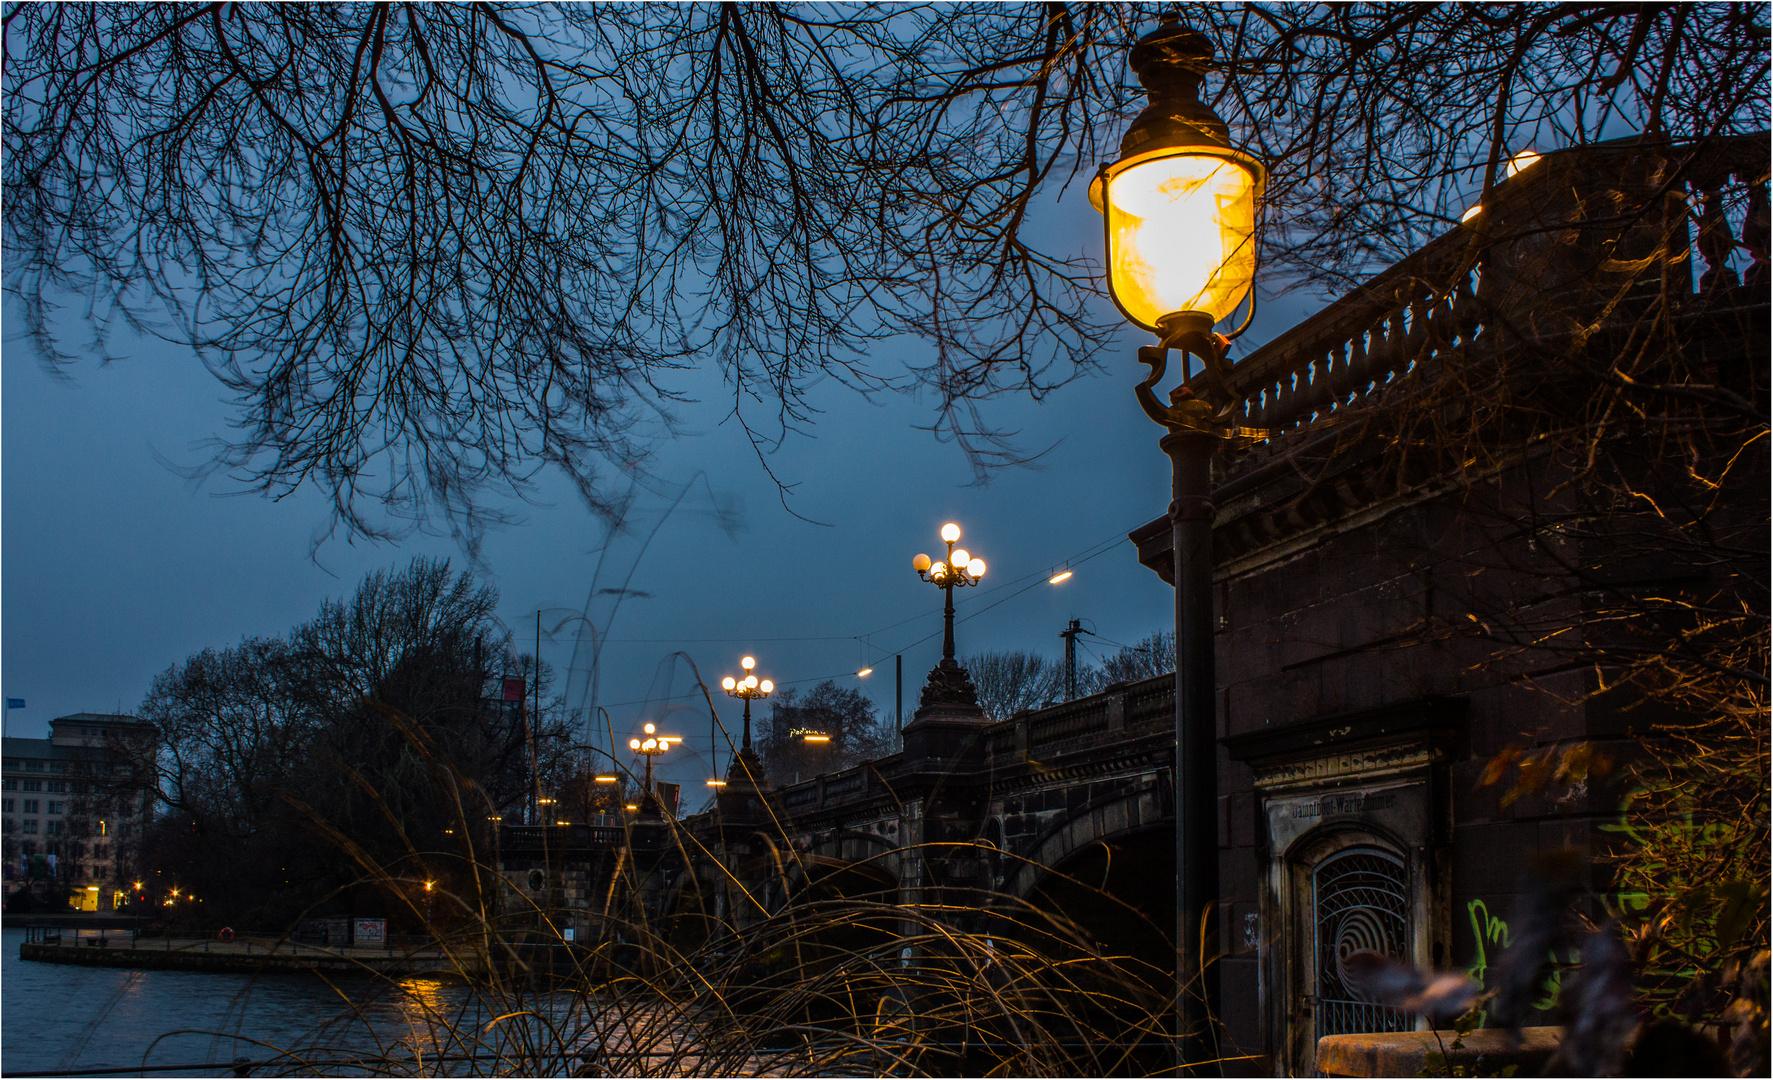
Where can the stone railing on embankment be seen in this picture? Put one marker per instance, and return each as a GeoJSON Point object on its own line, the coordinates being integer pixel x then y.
{"type": "Point", "coordinates": [240, 953]}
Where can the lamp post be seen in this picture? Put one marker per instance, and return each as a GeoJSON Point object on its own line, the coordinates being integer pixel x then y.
{"type": "Point", "coordinates": [651, 746]}
{"type": "Point", "coordinates": [1179, 220]}
{"type": "Point", "coordinates": [959, 569]}
{"type": "Point", "coordinates": [748, 688]}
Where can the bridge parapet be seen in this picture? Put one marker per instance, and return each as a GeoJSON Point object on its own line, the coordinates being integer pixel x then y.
{"type": "Point", "coordinates": [1570, 258]}
{"type": "Point", "coordinates": [1438, 298]}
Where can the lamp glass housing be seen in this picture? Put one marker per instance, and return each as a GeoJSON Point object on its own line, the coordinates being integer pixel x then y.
{"type": "Point", "coordinates": [1181, 231]}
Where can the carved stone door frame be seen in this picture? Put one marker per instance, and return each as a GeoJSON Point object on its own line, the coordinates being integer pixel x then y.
{"type": "Point", "coordinates": [1330, 786]}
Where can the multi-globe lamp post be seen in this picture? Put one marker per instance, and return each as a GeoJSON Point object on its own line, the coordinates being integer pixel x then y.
{"type": "Point", "coordinates": [1179, 221]}
{"type": "Point", "coordinates": [958, 570]}
{"type": "Point", "coordinates": [746, 688]}
{"type": "Point", "coordinates": [651, 747]}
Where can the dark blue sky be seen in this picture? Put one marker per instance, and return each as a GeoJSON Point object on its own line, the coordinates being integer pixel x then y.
{"type": "Point", "coordinates": [116, 566]}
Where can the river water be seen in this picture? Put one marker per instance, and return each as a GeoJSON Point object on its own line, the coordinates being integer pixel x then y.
{"type": "Point", "coordinates": [63, 1018]}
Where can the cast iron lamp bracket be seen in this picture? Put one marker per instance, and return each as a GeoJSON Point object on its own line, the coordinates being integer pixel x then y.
{"type": "Point", "coordinates": [1191, 333]}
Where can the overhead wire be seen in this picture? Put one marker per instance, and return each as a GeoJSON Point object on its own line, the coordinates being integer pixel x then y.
{"type": "Point", "coordinates": [1027, 581]}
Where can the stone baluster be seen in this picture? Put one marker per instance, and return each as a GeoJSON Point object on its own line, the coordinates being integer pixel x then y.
{"type": "Point", "coordinates": [1359, 375]}
{"type": "Point", "coordinates": [1466, 316]}
{"type": "Point", "coordinates": [1339, 381]}
{"type": "Point", "coordinates": [1715, 241]}
{"type": "Point", "coordinates": [1756, 224]}
{"type": "Point", "coordinates": [1284, 402]}
{"type": "Point", "coordinates": [1323, 383]}
{"type": "Point", "coordinates": [1419, 342]}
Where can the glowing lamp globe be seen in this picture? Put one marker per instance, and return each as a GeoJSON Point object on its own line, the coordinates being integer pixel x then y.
{"type": "Point", "coordinates": [920, 562]}
{"type": "Point", "coordinates": [728, 683]}
{"type": "Point", "coordinates": [1179, 207]}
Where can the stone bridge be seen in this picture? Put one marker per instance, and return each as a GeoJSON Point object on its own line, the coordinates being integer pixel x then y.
{"type": "Point", "coordinates": [1363, 688]}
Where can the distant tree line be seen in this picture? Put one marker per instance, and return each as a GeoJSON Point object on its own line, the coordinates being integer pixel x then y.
{"type": "Point", "coordinates": [845, 717]}
{"type": "Point", "coordinates": [375, 744]}
{"type": "Point", "coordinates": [1009, 682]}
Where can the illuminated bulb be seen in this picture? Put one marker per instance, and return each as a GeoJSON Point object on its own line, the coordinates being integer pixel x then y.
{"type": "Point", "coordinates": [961, 558]}
{"type": "Point", "coordinates": [1181, 231]}
{"type": "Point", "coordinates": [940, 570]}
{"type": "Point", "coordinates": [748, 663]}
{"type": "Point", "coordinates": [951, 532]}
{"type": "Point", "coordinates": [751, 682]}
{"type": "Point", "coordinates": [767, 686]}
{"type": "Point", "coordinates": [649, 744]}
{"type": "Point", "coordinates": [976, 568]}
{"type": "Point", "coordinates": [649, 729]}
{"type": "Point", "coordinates": [728, 683]}
{"type": "Point", "coordinates": [606, 779]}
{"type": "Point", "coordinates": [1473, 212]}
{"type": "Point", "coordinates": [633, 744]}
{"type": "Point", "coordinates": [920, 562]}
{"type": "Point", "coordinates": [1060, 576]}
{"type": "Point", "coordinates": [1521, 161]}
{"type": "Point", "coordinates": [864, 673]}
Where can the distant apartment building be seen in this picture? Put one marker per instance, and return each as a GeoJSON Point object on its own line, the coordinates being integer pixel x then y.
{"type": "Point", "coordinates": [73, 807]}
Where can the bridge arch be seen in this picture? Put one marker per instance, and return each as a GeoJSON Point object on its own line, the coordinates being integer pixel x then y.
{"type": "Point", "coordinates": [1093, 823]}
{"type": "Point", "coordinates": [850, 860]}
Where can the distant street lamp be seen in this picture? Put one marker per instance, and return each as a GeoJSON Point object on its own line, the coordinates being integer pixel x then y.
{"type": "Point", "coordinates": [959, 569]}
{"type": "Point", "coordinates": [1179, 219]}
{"type": "Point", "coordinates": [745, 772]}
{"type": "Point", "coordinates": [651, 746]}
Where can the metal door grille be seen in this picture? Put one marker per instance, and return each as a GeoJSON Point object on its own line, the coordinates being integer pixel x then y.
{"type": "Point", "coordinates": [1360, 900]}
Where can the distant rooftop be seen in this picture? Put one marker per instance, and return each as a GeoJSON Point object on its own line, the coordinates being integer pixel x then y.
{"type": "Point", "coordinates": [112, 719]}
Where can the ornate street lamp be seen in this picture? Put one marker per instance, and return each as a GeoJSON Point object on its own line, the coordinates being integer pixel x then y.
{"type": "Point", "coordinates": [651, 746]}
{"type": "Point", "coordinates": [948, 682]}
{"type": "Point", "coordinates": [748, 688]}
{"type": "Point", "coordinates": [959, 569]}
{"type": "Point", "coordinates": [1179, 219]}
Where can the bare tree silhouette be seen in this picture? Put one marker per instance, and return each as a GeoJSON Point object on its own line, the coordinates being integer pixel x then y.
{"type": "Point", "coordinates": [431, 249]}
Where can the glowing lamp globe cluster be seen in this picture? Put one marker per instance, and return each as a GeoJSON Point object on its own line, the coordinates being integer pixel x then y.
{"type": "Point", "coordinates": [749, 686]}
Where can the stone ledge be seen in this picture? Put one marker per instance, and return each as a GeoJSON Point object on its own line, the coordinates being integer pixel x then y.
{"type": "Point", "coordinates": [1405, 1053]}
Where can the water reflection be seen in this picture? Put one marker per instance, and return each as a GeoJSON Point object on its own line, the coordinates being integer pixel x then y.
{"type": "Point", "coordinates": [60, 1018]}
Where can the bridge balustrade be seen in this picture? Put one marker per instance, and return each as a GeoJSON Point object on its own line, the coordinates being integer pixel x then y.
{"type": "Point", "coordinates": [1432, 302]}
{"type": "Point", "coordinates": [516, 838]}
{"type": "Point", "coordinates": [1050, 730]}
{"type": "Point", "coordinates": [1151, 704]}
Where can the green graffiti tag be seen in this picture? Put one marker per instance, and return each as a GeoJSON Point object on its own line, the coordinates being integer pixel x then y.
{"type": "Point", "coordinates": [1487, 932]}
